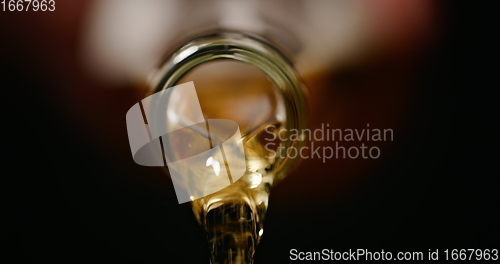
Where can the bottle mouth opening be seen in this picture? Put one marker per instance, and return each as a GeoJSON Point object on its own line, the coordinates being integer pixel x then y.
{"type": "Point", "coordinates": [255, 52]}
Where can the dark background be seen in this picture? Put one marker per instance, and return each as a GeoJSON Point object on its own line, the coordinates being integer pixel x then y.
{"type": "Point", "coordinates": [67, 199]}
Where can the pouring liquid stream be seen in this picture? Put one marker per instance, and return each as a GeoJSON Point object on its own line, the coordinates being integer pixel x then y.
{"type": "Point", "coordinates": [233, 217]}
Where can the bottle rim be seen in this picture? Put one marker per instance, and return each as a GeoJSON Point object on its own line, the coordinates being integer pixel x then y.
{"type": "Point", "coordinates": [256, 52]}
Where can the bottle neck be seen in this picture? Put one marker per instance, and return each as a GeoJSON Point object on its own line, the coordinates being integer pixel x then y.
{"type": "Point", "coordinates": [254, 51]}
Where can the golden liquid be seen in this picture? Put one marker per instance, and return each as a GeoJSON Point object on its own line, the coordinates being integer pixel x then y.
{"type": "Point", "coordinates": [233, 217]}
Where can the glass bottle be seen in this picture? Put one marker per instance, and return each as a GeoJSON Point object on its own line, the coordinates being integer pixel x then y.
{"type": "Point", "coordinates": [265, 91]}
